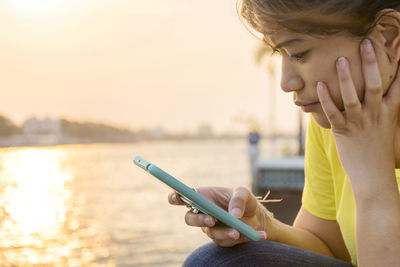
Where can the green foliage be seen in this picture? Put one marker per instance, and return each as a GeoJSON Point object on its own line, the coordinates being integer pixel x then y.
{"type": "Point", "coordinates": [76, 131]}
{"type": "Point", "coordinates": [262, 51]}
{"type": "Point", "coordinates": [8, 128]}
{"type": "Point", "coordinates": [94, 131]}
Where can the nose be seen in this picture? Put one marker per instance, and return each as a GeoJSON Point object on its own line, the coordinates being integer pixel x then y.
{"type": "Point", "coordinates": [290, 79]}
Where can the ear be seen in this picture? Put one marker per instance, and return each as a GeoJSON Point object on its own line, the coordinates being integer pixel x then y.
{"type": "Point", "coordinates": [387, 30]}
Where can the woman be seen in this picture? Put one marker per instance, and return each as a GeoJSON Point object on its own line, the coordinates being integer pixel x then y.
{"type": "Point", "coordinates": [340, 60]}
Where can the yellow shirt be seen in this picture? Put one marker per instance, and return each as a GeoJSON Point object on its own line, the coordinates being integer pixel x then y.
{"type": "Point", "coordinates": [327, 192]}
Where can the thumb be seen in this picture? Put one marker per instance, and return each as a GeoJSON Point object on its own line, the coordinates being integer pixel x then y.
{"type": "Point", "coordinates": [242, 203]}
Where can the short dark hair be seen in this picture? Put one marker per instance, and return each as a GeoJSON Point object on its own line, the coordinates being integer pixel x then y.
{"type": "Point", "coordinates": [315, 17]}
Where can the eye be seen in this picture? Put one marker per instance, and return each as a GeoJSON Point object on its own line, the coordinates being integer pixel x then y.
{"type": "Point", "coordinates": [300, 57]}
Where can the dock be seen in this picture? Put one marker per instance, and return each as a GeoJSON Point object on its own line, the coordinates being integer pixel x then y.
{"type": "Point", "coordinates": [284, 177]}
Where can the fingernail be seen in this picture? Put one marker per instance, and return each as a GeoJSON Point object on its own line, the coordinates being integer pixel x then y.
{"type": "Point", "coordinates": [209, 221]}
{"type": "Point", "coordinates": [342, 63]}
{"type": "Point", "coordinates": [367, 45]}
{"type": "Point", "coordinates": [174, 198]}
{"type": "Point", "coordinates": [263, 235]}
{"type": "Point", "coordinates": [236, 213]}
{"type": "Point", "coordinates": [320, 87]}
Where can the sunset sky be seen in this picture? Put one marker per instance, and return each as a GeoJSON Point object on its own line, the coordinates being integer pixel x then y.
{"type": "Point", "coordinates": [157, 63]}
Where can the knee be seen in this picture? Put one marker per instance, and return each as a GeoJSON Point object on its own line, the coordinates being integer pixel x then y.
{"type": "Point", "coordinates": [265, 253]}
{"type": "Point", "coordinates": [245, 254]}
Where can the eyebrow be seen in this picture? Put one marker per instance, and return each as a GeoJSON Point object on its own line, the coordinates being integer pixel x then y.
{"type": "Point", "coordinates": [287, 43]}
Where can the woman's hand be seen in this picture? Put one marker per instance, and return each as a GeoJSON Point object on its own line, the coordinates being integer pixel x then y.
{"type": "Point", "coordinates": [364, 132]}
{"type": "Point", "coordinates": [240, 203]}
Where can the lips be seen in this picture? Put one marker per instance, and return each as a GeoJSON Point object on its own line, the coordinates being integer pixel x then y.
{"type": "Point", "coordinates": [304, 103]}
{"type": "Point", "coordinates": [307, 106]}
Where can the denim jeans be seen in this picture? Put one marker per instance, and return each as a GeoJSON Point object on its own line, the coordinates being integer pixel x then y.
{"type": "Point", "coordinates": [262, 253]}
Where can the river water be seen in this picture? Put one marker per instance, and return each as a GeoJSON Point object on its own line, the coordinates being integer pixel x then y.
{"type": "Point", "coordinates": [89, 205]}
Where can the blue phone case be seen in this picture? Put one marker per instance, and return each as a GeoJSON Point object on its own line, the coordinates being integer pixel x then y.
{"type": "Point", "coordinates": [196, 200]}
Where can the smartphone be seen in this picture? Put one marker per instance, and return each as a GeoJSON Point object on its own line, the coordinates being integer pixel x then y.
{"type": "Point", "coordinates": [197, 201]}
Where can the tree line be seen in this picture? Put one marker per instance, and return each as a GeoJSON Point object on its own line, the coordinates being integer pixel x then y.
{"type": "Point", "coordinates": [71, 129]}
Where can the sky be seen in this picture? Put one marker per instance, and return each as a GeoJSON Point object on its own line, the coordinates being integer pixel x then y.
{"type": "Point", "coordinates": [172, 64]}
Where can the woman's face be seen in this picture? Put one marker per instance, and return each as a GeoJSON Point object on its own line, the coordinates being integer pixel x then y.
{"type": "Point", "coordinates": [307, 60]}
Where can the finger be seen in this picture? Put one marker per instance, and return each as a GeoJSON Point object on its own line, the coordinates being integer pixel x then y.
{"type": "Point", "coordinates": [263, 235]}
{"type": "Point", "coordinates": [333, 114]}
{"type": "Point", "coordinates": [372, 78]}
{"type": "Point", "coordinates": [392, 98]}
{"type": "Point", "coordinates": [350, 99]}
{"type": "Point", "coordinates": [221, 233]}
{"type": "Point", "coordinates": [174, 199]}
{"type": "Point", "coordinates": [200, 219]}
{"type": "Point", "coordinates": [242, 203]}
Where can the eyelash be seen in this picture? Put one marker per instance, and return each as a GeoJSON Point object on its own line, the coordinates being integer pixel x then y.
{"type": "Point", "coordinates": [300, 57]}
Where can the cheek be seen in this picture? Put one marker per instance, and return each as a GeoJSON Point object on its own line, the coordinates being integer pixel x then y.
{"type": "Point", "coordinates": [325, 71]}
{"type": "Point", "coordinates": [357, 78]}
{"type": "Point", "coordinates": [328, 72]}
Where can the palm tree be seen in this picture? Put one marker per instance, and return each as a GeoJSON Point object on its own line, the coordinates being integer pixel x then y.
{"type": "Point", "coordinates": [262, 54]}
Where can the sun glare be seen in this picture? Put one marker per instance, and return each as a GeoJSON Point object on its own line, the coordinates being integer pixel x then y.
{"type": "Point", "coordinates": [39, 219]}
{"type": "Point", "coordinates": [34, 200]}
{"type": "Point", "coordinates": [37, 8]}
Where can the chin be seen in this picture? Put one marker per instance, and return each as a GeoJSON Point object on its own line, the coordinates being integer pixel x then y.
{"type": "Point", "coordinates": [321, 120]}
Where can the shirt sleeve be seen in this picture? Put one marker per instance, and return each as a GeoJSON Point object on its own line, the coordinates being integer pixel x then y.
{"type": "Point", "coordinates": [318, 194]}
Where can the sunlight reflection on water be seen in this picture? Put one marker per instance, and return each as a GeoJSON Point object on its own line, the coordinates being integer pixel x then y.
{"type": "Point", "coordinates": [88, 205]}
{"type": "Point", "coordinates": [39, 224]}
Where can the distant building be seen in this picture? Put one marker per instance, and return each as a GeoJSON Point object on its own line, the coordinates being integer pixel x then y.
{"type": "Point", "coordinates": [205, 131]}
{"type": "Point", "coordinates": [157, 133]}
